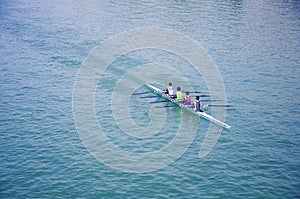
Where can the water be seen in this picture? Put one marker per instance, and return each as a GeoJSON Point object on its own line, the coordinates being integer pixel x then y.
{"type": "Point", "coordinates": [255, 45]}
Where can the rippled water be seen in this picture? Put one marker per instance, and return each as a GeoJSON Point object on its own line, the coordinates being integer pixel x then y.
{"type": "Point", "coordinates": [255, 45]}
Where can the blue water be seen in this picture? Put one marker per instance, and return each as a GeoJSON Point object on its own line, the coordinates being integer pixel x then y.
{"type": "Point", "coordinates": [256, 46]}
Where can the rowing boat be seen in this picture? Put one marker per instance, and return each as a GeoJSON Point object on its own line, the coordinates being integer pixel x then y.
{"type": "Point", "coordinates": [162, 94]}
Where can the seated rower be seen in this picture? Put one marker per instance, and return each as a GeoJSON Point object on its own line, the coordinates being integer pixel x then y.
{"type": "Point", "coordinates": [170, 90]}
{"type": "Point", "coordinates": [187, 98]}
{"type": "Point", "coordinates": [166, 92]}
{"type": "Point", "coordinates": [179, 94]}
{"type": "Point", "coordinates": [197, 104]}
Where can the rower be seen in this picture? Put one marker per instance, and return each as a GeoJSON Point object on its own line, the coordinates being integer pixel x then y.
{"type": "Point", "coordinates": [179, 94]}
{"type": "Point", "coordinates": [197, 104]}
{"type": "Point", "coordinates": [170, 90]}
{"type": "Point", "coordinates": [187, 98]}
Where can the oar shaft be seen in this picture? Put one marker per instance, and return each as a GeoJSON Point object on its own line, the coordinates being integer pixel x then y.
{"type": "Point", "coordinates": [140, 93]}
{"type": "Point", "coordinates": [204, 95]}
{"type": "Point", "coordinates": [167, 106]}
{"type": "Point", "coordinates": [157, 102]}
{"type": "Point", "coordinates": [195, 92]}
{"type": "Point", "coordinates": [210, 100]}
{"type": "Point", "coordinates": [148, 96]}
{"type": "Point", "coordinates": [221, 105]}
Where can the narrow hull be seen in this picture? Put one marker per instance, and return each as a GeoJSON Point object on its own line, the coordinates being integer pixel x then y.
{"type": "Point", "coordinates": [160, 93]}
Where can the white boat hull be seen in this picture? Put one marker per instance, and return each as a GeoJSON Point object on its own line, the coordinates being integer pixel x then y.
{"type": "Point", "coordinates": [161, 93]}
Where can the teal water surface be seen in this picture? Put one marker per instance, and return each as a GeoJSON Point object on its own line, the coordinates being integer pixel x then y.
{"type": "Point", "coordinates": [256, 46]}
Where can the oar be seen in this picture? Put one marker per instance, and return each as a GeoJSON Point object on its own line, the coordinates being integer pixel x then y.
{"type": "Point", "coordinates": [220, 105]}
{"type": "Point", "coordinates": [148, 96]}
{"type": "Point", "coordinates": [211, 100]}
{"type": "Point", "coordinates": [167, 106]}
{"type": "Point", "coordinates": [204, 95]}
{"type": "Point", "coordinates": [157, 102]}
{"type": "Point", "coordinates": [140, 93]}
{"type": "Point", "coordinates": [193, 92]}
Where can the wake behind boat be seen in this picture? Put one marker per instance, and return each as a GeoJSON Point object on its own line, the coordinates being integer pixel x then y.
{"type": "Point", "coordinates": [162, 94]}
